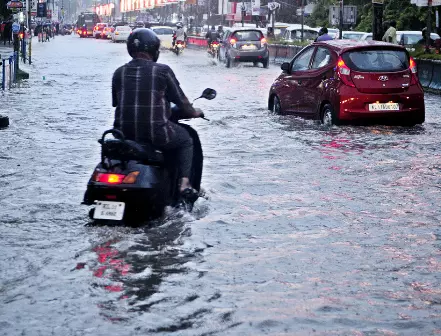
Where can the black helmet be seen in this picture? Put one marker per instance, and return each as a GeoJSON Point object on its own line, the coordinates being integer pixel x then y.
{"type": "Point", "coordinates": [144, 40]}
{"type": "Point", "coordinates": [323, 31]}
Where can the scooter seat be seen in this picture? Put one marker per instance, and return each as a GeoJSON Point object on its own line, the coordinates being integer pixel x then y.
{"type": "Point", "coordinates": [126, 150]}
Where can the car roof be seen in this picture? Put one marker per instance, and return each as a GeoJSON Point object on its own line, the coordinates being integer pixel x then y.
{"type": "Point", "coordinates": [244, 29]}
{"type": "Point", "coordinates": [353, 32]}
{"type": "Point", "coordinates": [168, 27]}
{"type": "Point", "coordinates": [341, 46]}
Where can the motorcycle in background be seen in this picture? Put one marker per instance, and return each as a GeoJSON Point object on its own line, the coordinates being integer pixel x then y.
{"type": "Point", "coordinates": [179, 47]}
{"type": "Point", "coordinates": [214, 49]}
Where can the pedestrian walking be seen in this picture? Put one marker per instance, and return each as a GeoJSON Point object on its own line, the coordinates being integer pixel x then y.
{"type": "Point", "coordinates": [7, 33]}
{"type": "Point", "coordinates": [391, 34]}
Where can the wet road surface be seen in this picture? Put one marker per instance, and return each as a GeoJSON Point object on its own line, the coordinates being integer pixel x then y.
{"type": "Point", "coordinates": [307, 230]}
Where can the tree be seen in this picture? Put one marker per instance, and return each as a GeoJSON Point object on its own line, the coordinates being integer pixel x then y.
{"type": "Point", "coordinates": [408, 16]}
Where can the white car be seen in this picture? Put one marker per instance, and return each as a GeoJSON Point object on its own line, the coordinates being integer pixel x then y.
{"type": "Point", "coordinates": [121, 33]}
{"type": "Point", "coordinates": [334, 33]}
{"type": "Point", "coordinates": [352, 35]}
{"type": "Point", "coordinates": [165, 34]}
{"type": "Point", "coordinates": [412, 37]}
{"type": "Point", "coordinates": [294, 33]}
{"type": "Point", "coordinates": [367, 37]}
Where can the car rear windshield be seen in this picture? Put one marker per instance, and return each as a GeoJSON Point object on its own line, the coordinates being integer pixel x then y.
{"type": "Point", "coordinates": [376, 60]}
{"type": "Point", "coordinates": [123, 28]}
{"type": "Point", "coordinates": [248, 35]}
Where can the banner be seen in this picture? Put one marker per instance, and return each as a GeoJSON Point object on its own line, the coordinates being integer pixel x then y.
{"type": "Point", "coordinates": [423, 3]}
{"type": "Point", "coordinates": [255, 7]}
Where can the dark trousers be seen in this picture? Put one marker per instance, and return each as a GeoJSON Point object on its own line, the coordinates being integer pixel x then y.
{"type": "Point", "coordinates": [182, 145]}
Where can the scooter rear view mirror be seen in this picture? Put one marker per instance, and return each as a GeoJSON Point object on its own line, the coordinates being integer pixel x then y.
{"type": "Point", "coordinates": [209, 94]}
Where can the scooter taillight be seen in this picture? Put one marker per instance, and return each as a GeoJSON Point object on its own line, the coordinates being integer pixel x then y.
{"type": "Point", "coordinates": [109, 178]}
{"type": "Point", "coordinates": [116, 178]}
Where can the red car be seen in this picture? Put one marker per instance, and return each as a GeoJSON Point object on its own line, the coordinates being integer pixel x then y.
{"type": "Point", "coordinates": [346, 81]}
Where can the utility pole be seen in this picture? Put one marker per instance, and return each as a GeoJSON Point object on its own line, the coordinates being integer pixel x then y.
{"type": "Point", "coordinates": [303, 19]}
{"type": "Point", "coordinates": [377, 23]}
{"type": "Point", "coordinates": [341, 19]}
{"type": "Point", "coordinates": [429, 25]}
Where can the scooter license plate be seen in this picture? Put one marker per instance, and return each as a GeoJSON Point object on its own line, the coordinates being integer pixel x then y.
{"type": "Point", "coordinates": [109, 210]}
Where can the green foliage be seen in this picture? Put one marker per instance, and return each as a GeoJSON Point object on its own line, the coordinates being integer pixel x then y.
{"type": "Point", "coordinates": [408, 16]}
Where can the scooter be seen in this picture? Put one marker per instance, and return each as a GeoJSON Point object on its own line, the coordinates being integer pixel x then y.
{"type": "Point", "coordinates": [214, 49]}
{"type": "Point", "coordinates": [134, 183]}
{"type": "Point", "coordinates": [179, 47]}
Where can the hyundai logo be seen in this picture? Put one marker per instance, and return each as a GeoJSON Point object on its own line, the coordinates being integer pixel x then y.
{"type": "Point", "coordinates": [383, 78]}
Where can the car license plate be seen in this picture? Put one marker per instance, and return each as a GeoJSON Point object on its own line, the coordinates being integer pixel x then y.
{"type": "Point", "coordinates": [249, 47]}
{"type": "Point", "coordinates": [384, 107]}
{"type": "Point", "coordinates": [109, 210]}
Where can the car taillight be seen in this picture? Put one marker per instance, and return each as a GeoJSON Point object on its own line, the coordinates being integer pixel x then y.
{"type": "Point", "coordinates": [413, 72]}
{"type": "Point", "coordinates": [263, 40]}
{"type": "Point", "coordinates": [344, 73]}
{"type": "Point", "coordinates": [233, 41]}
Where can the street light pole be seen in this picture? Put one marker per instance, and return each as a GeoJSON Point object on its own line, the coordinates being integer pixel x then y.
{"type": "Point", "coordinates": [303, 18]}
{"type": "Point", "coordinates": [341, 19]}
{"type": "Point", "coordinates": [429, 25]}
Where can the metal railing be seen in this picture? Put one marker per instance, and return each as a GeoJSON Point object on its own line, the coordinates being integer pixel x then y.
{"type": "Point", "coordinates": [8, 74]}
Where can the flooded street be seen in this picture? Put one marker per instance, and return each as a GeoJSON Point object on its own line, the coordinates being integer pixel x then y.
{"type": "Point", "coordinates": [306, 231]}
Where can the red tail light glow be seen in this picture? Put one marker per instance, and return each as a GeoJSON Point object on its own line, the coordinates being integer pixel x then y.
{"type": "Point", "coordinates": [116, 178]}
{"type": "Point", "coordinates": [344, 73]}
{"type": "Point", "coordinates": [413, 70]}
{"type": "Point", "coordinates": [109, 178]}
{"type": "Point", "coordinates": [233, 41]}
{"type": "Point", "coordinates": [263, 40]}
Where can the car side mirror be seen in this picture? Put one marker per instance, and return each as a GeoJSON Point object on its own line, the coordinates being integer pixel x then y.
{"type": "Point", "coordinates": [285, 67]}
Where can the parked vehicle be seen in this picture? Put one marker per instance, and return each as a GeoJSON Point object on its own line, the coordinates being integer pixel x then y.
{"type": "Point", "coordinates": [244, 45]}
{"type": "Point", "coordinates": [352, 35]}
{"type": "Point", "coordinates": [367, 37]}
{"type": "Point", "coordinates": [293, 33]}
{"type": "Point", "coordinates": [334, 33]}
{"type": "Point", "coordinates": [121, 33]}
{"type": "Point", "coordinates": [410, 38]}
{"type": "Point", "coordinates": [98, 29]}
{"type": "Point", "coordinates": [134, 182]}
{"type": "Point", "coordinates": [345, 81]}
{"type": "Point", "coordinates": [165, 34]}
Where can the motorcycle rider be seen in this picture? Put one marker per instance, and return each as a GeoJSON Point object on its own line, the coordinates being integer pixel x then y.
{"type": "Point", "coordinates": [142, 91]}
{"type": "Point", "coordinates": [211, 36]}
{"type": "Point", "coordinates": [179, 34]}
{"type": "Point", "coordinates": [220, 32]}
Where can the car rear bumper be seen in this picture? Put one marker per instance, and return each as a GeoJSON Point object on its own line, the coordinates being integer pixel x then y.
{"type": "Point", "coordinates": [249, 56]}
{"type": "Point", "coordinates": [356, 106]}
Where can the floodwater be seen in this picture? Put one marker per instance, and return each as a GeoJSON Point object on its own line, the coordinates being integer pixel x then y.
{"type": "Point", "coordinates": [306, 230]}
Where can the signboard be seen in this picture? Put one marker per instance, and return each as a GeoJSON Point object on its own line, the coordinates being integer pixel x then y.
{"type": "Point", "coordinates": [41, 10]}
{"type": "Point", "coordinates": [14, 4]}
{"type": "Point", "coordinates": [273, 5]}
{"type": "Point", "coordinates": [381, 2]}
{"type": "Point", "coordinates": [255, 7]}
{"type": "Point", "coordinates": [349, 15]}
{"type": "Point", "coordinates": [423, 3]}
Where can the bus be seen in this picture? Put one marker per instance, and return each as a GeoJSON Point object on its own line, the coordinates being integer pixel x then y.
{"type": "Point", "coordinates": [90, 19]}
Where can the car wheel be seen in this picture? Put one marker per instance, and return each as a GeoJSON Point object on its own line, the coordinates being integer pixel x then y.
{"type": "Point", "coordinates": [255, 64]}
{"type": "Point", "coordinates": [328, 116]}
{"type": "Point", "coordinates": [265, 63]}
{"type": "Point", "coordinates": [277, 107]}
